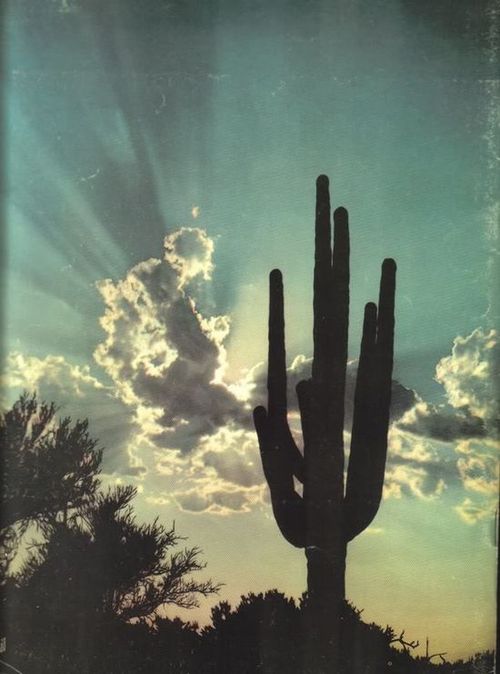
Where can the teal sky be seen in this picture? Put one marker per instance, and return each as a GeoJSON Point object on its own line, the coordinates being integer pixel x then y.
{"type": "Point", "coordinates": [128, 121]}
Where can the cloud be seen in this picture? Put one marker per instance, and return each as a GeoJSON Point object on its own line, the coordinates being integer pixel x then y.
{"type": "Point", "coordinates": [79, 395]}
{"type": "Point", "coordinates": [218, 501]}
{"type": "Point", "coordinates": [435, 422]}
{"type": "Point", "coordinates": [170, 419]}
{"type": "Point", "coordinates": [412, 481]}
{"type": "Point", "coordinates": [166, 416]}
{"type": "Point", "coordinates": [53, 372]}
{"type": "Point", "coordinates": [233, 455]}
{"type": "Point", "coordinates": [162, 352]}
{"type": "Point", "coordinates": [416, 468]}
{"type": "Point", "coordinates": [470, 376]}
{"type": "Point", "coordinates": [189, 251]}
{"type": "Point", "coordinates": [402, 398]}
{"type": "Point", "coordinates": [478, 466]}
{"type": "Point", "coordinates": [468, 423]}
{"type": "Point", "coordinates": [472, 512]}
{"type": "Point", "coordinates": [224, 474]}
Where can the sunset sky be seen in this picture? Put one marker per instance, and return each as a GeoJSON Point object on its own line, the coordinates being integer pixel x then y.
{"type": "Point", "coordinates": [160, 159]}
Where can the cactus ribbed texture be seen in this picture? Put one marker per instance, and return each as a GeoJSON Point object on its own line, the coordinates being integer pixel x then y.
{"type": "Point", "coordinates": [324, 519]}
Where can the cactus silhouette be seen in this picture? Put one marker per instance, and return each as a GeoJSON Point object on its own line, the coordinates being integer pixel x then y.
{"type": "Point", "coordinates": [325, 518]}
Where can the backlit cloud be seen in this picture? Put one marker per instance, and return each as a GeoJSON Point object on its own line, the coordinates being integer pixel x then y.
{"type": "Point", "coordinates": [402, 398]}
{"type": "Point", "coordinates": [189, 251]}
{"type": "Point", "coordinates": [170, 419]}
{"type": "Point", "coordinates": [478, 465]}
{"type": "Point", "coordinates": [467, 423]}
{"type": "Point", "coordinates": [470, 376]}
{"type": "Point", "coordinates": [441, 424]}
{"type": "Point", "coordinates": [162, 352]}
{"type": "Point", "coordinates": [226, 501]}
{"type": "Point", "coordinates": [416, 468]}
{"type": "Point", "coordinates": [80, 395]}
{"type": "Point", "coordinates": [472, 511]}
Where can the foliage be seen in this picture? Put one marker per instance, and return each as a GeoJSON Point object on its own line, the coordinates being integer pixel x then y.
{"type": "Point", "coordinates": [96, 571]}
{"type": "Point", "coordinates": [260, 635]}
{"type": "Point", "coordinates": [89, 596]}
{"type": "Point", "coordinates": [49, 467]}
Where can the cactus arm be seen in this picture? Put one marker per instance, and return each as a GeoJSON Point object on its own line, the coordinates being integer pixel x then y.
{"type": "Point", "coordinates": [322, 282]}
{"type": "Point", "coordinates": [288, 506]}
{"type": "Point", "coordinates": [365, 476]}
{"type": "Point", "coordinates": [276, 378]}
{"type": "Point", "coordinates": [281, 458]}
{"type": "Point", "coordinates": [338, 335]}
{"type": "Point", "coordinates": [340, 294]}
{"type": "Point", "coordinates": [276, 373]}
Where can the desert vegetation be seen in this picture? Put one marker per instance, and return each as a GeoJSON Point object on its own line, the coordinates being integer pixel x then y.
{"type": "Point", "coordinates": [88, 593]}
{"type": "Point", "coordinates": [326, 516]}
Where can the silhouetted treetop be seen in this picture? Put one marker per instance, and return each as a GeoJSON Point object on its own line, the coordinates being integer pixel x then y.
{"type": "Point", "coordinates": [102, 563]}
{"type": "Point", "coordinates": [49, 466]}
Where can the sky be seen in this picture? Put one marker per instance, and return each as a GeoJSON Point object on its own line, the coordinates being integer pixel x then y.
{"type": "Point", "coordinates": [159, 160]}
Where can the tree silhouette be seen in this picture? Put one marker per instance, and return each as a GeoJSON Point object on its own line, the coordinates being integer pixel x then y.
{"type": "Point", "coordinates": [324, 519]}
{"type": "Point", "coordinates": [49, 466]}
{"type": "Point", "coordinates": [96, 571]}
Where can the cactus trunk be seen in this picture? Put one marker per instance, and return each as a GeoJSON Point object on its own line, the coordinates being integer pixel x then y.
{"type": "Point", "coordinates": [326, 596]}
{"type": "Point", "coordinates": [326, 516]}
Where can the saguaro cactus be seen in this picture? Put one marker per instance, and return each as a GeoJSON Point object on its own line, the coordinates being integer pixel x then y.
{"type": "Point", "coordinates": [325, 518]}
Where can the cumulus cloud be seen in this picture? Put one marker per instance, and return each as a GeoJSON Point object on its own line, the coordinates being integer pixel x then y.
{"type": "Point", "coordinates": [208, 499]}
{"type": "Point", "coordinates": [79, 395]}
{"type": "Point", "coordinates": [412, 481]}
{"type": "Point", "coordinates": [189, 251]}
{"type": "Point", "coordinates": [472, 511]}
{"type": "Point", "coordinates": [232, 454]}
{"type": "Point", "coordinates": [162, 352]}
{"type": "Point", "coordinates": [402, 399]}
{"type": "Point", "coordinates": [468, 423]}
{"type": "Point", "coordinates": [54, 373]}
{"type": "Point", "coordinates": [478, 466]}
{"type": "Point", "coordinates": [224, 474]}
{"type": "Point", "coordinates": [470, 376]}
{"type": "Point", "coordinates": [436, 422]}
{"type": "Point", "coordinates": [415, 467]}
{"type": "Point", "coordinates": [167, 411]}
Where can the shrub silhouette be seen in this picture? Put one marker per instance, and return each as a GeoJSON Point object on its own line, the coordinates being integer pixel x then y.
{"type": "Point", "coordinates": [260, 635]}
{"type": "Point", "coordinates": [263, 635]}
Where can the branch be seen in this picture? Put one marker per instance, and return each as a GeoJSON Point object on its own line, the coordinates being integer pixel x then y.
{"type": "Point", "coordinates": [436, 655]}
{"type": "Point", "coordinates": [405, 644]}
